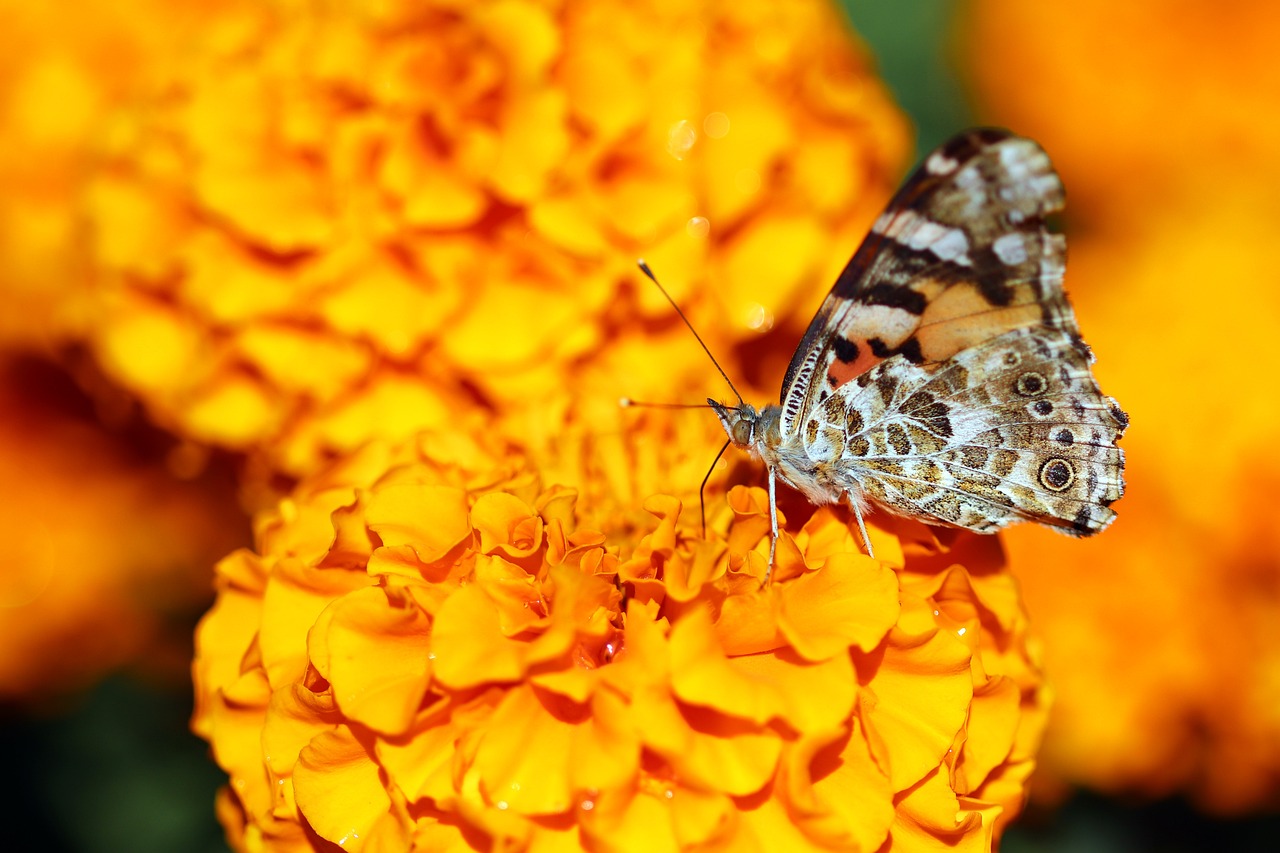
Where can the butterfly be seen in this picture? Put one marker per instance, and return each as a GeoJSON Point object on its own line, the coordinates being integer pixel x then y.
{"type": "Point", "coordinates": [944, 378]}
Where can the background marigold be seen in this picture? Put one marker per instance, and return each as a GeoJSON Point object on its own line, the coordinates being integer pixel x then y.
{"type": "Point", "coordinates": [1161, 117]}
{"type": "Point", "coordinates": [63, 69]}
{"type": "Point", "coordinates": [166, 171]}
{"type": "Point", "coordinates": [106, 554]}
{"type": "Point", "coordinates": [339, 222]}
{"type": "Point", "coordinates": [426, 649]}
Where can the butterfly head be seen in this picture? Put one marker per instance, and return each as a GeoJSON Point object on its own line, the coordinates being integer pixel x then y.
{"type": "Point", "coordinates": [747, 427]}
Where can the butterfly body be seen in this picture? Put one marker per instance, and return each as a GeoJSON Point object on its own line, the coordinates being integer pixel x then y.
{"type": "Point", "coordinates": [944, 378]}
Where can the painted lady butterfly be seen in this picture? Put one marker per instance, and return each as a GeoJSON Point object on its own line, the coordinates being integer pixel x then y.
{"type": "Point", "coordinates": [944, 378]}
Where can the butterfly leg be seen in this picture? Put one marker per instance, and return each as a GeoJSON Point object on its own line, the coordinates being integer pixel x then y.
{"type": "Point", "coordinates": [862, 527]}
{"type": "Point", "coordinates": [773, 523]}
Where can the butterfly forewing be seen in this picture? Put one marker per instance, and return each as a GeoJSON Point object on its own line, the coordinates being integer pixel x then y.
{"type": "Point", "coordinates": [960, 255]}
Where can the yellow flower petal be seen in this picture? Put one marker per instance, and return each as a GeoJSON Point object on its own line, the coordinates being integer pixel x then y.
{"type": "Point", "coordinates": [338, 788]}
{"type": "Point", "coordinates": [433, 520]}
{"type": "Point", "coordinates": [604, 86]}
{"type": "Point", "coordinates": [150, 345]}
{"type": "Point", "coordinates": [534, 138]}
{"type": "Point", "coordinates": [507, 526]}
{"type": "Point", "coordinates": [513, 592]}
{"type": "Point", "coordinates": [605, 753]}
{"type": "Point", "coordinates": [234, 286]}
{"type": "Point", "coordinates": [571, 223]}
{"type": "Point", "coordinates": [989, 732]}
{"type": "Point", "coordinates": [525, 33]}
{"type": "Point", "coordinates": [701, 818]}
{"type": "Point", "coordinates": [302, 361]}
{"type": "Point", "coordinates": [293, 599]}
{"type": "Point", "coordinates": [417, 761]}
{"type": "Point", "coordinates": [228, 628]}
{"type": "Point", "coordinates": [236, 721]}
{"type": "Point", "coordinates": [922, 692]}
{"type": "Point", "coordinates": [707, 749]}
{"type": "Point", "coordinates": [931, 812]}
{"type": "Point", "coordinates": [386, 305]}
{"type": "Point", "coordinates": [141, 230]}
{"type": "Point", "coordinates": [704, 676]}
{"type": "Point", "coordinates": [748, 623]}
{"type": "Point", "coordinates": [519, 758]}
{"type": "Point", "coordinates": [837, 791]}
{"type": "Point", "coordinates": [849, 602]}
{"type": "Point", "coordinates": [434, 194]}
{"type": "Point", "coordinates": [392, 407]}
{"type": "Point", "coordinates": [816, 697]}
{"type": "Point", "coordinates": [230, 408]}
{"type": "Point", "coordinates": [468, 647]}
{"type": "Point", "coordinates": [631, 824]}
{"type": "Point", "coordinates": [512, 306]}
{"type": "Point", "coordinates": [295, 715]}
{"type": "Point", "coordinates": [373, 652]}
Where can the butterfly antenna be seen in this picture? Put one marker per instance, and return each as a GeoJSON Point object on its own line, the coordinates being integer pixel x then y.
{"type": "Point", "coordinates": [644, 268]}
{"type": "Point", "coordinates": [702, 489]}
{"type": "Point", "coordinates": [627, 403]}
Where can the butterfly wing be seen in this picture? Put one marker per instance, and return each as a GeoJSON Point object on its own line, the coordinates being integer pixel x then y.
{"type": "Point", "coordinates": [960, 255]}
{"type": "Point", "coordinates": [1012, 429]}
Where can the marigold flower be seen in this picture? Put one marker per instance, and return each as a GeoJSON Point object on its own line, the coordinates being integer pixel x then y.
{"type": "Point", "coordinates": [105, 549]}
{"type": "Point", "coordinates": [426, 649]}
{"type": "Point", "coordinates": [338, 222]}
{"type": "Point", "coordinates": [109, 551]}
{"type": "Point", "coordinates": [1173, 259]}
{"type": "Point", "coordinates": [63, 68]}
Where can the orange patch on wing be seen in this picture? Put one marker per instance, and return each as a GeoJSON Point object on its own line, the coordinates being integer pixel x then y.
{"type": "Point", "coordinates": [961, 317]}
{"type": "Point", "coordinates": [843, 372]}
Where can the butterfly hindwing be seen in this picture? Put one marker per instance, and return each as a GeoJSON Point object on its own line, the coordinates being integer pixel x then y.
{"type": "Point", "coordinates": [1014, 429]}
{"type": "Point", "coordinates": [960, 255]}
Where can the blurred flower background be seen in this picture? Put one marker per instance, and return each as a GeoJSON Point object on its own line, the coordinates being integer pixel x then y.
{"type": "Point", "coordinates": [240, 240]}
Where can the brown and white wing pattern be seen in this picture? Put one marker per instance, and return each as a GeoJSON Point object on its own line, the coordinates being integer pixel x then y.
{"type": "Point", "coordinates": [1012, 429]}
{"type": "Point", "coordinates": [961, 255]}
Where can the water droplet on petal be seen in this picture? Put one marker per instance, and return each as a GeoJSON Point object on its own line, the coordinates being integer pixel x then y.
{"type": "Point", "coordinates": [698, 226]}
{"type": "Point", "coordinates": [680, 138]}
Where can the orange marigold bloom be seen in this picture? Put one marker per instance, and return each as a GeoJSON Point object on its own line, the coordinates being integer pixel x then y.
{"type": "Point", "coordinates": [63, 68]}
{"type": "Point", "coordinates": [104, 550]}
{"type": "Point", "coordinates": [338, 222]}
{"type": "Point", "coordinates": [1163, 119]}
{"type": "Point", "coordinates": [427, 651]}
